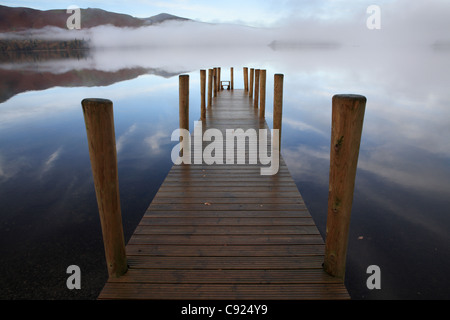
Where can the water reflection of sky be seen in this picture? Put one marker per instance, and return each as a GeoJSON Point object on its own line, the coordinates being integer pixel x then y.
{"type": "Point", "coordinates": [400, 217]}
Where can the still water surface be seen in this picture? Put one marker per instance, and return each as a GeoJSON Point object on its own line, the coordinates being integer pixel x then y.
{"type": "Point", "coordinates": [400, 218]}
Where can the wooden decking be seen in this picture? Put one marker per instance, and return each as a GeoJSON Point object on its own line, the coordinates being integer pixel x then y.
{"type": "Point", "coordinates": [226, 231]}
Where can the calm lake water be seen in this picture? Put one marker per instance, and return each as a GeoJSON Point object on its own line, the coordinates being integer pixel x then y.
{"type": "Point", "coordinates": [400, 218]}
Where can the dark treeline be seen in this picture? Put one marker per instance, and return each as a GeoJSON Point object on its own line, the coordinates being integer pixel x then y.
{"type": "Point", "coordinates": [36, 49]}
{"type": "Point", "coordinates": [46, 45]}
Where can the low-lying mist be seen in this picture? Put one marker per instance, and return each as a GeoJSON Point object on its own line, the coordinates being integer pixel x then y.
{"type": "Point", "coordinates": [411, 34]}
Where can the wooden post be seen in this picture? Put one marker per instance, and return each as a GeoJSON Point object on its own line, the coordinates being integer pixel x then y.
{"type": "Point", "coordinates": [262, 94]}
{"type": "Point", "coordinates": [99, 120]}
{"type": "Point", "coordinates": [346, 128]}
{"type": "Point", "coordinates": [246, 79]}
{"type": "Point", "coordinates": [219, 79]}
{"type": "Point", "coordinates": [256, 98]}
{"type": "Point", "coordinates": [184, 112]}
{"type": "Point", "coordinates": [202, 94]}
{"type": "Point", "coordinates": [278, 104]}
{"type": "Point", "coordinates": [232, 78]}
{"type": "Point", "coordinates": [215, 81]}
{"type": "Point", "coordinates": [210, 76]}
{"type": "Point", "coordinates": [250, 89]}
{"type": "Point", "coordinates": [184, 101]}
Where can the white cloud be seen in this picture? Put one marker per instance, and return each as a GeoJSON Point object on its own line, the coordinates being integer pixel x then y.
{"type": "Point", "coordinates": [156, 140]}
{"type": "Point", "coordinates": [9, 167]}
{"type": "Point", "coordinates": [51, 161]}
{"type": "Point", "coordinates": [121, 141]}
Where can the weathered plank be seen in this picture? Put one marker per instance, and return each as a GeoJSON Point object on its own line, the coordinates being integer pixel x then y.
{"type": "Point", "coordinates": [227, 276]}
{"type": "Point", "coordinates": [180, 239]}
{"type": "Point", "coordinates": [146, 291]}
{"type": "Point", "coordinates": [208, 250]}
{"type": "Point", "coordinates": [214, 221]}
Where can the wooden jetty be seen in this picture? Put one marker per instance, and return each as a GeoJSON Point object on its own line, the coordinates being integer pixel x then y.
{"type": "Point", "coordinates": [225, 231]}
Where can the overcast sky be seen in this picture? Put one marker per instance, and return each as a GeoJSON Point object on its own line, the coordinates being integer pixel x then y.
{"type": "Point", "coordinates": [420, 22]}
{"type": "Point", "coordinates": [250, 12]}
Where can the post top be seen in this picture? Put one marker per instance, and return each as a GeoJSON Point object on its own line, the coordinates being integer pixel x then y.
{"type": "Point", "coordinates": [95, 101]}
{"type": "Point", "coordinates": [350, 97]}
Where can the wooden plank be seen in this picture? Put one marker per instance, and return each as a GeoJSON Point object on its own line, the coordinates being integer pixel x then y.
{"type": "Point", "coordinates": [244, 276]}
{"type": "Point", "coordinates": [223, 230]}
{"type": "Point", "coordinates": [228, 174]}
{"type": "Point", "coordinates": [215, 221]}
{"type": "Point", "coordinates": [182, 239]}
{"type": "Point", "coordinates": [235, 179]}
{"type": "Point", "coordinates": [146, 291]}
{"type": "Point", "coordinates": [223, 263]}
{"type": "Point", "coordinates": [228, 213]}
{"type": "Point", "coordinates": [224, 206]}
{"type": "Point", "coordinates": [260, 201]}
{"type": "Point", "coordinates": [226, 194]}
{"type": "Point", "coordinates": [200, 189]}
{"type": "Point", "coordinates": [214, 183]}
{"type": "Point", "coordinates": [183, 250]}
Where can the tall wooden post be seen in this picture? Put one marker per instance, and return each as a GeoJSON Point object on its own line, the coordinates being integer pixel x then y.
{"type": "Point", "coordinates": [215, 81]}
{"type": "Point", "coordinates": [219, 86]}
{"type": "Point", "coordinates": [256, 98]}
{"type": "Point", "coordinates": [262, 94]}
{"type": "Point", "coordinates": [278, 104]}
{"type": "Point", "coordinates": [99, 120]}
{"type": "Point", "coordinates": [210, 76]}
{"type": "Point", "coordinates": [250, 89]}
{"type": "Point", "coordinates": [246, 79]}
{"type": "Point", "coordinates": [346, 128]}
{"type": "Point", "coordinates": [232, 78]}
{"type": "Point", "coordinates": [184, 101]}
{"type": "Point", "coordinates": [202, 94]}
{"type": "Point", "coordinates": [218, 79]}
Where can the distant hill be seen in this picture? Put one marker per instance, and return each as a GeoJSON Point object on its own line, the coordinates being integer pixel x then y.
{"type": "Point", "coordinates": [19, 19]}
{"type": "Point", "coordinates": [161, 18]}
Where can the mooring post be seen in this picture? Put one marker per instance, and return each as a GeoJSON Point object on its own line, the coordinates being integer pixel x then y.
{"type": "Point", "coordinates": [232, 78]}
{"type": "Point", "coordinates": [99, 120]}
{"type": "Point", "coordinates": [278, 104]}
{"type": "Point", "coordinates": [184, 114]}
{"type": "Point", "coordinates": [215, 81]}
{"type": "Point", "coordinates": [184, 101]}
{"type": "Point", "coordinates": [202, 94]}
{"type": "Point", "coordinates": [250, 89]}
{"type": "Point", "coordinates": [246, 79]}
{"type": "Point", "coordinates": [256, 98]}
{"type": "Point", "coordinates": [346, 129]}
{"type": "Point", "coordinates": [210, 76]}
{"type": "Point", "coordinates": [262, 94]}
